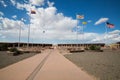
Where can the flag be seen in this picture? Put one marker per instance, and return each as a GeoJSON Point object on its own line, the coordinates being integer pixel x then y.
{"type": "Point", "coordinates": [80, 16]}
{"type": "Point", "coordinates": [33, 12]}
{"type": "Point", "coordinates": [84, 23]}
{"type": "Point", "coordinates": [109, 25]}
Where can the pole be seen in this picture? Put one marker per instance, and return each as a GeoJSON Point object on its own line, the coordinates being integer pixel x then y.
{"type": "Point", "coordinates": [77, 33]}
{"type": "Point", "coordinates": [32, 38]}
{"type": "Point", "coordinates": [28, 36]}
{"type": "Point", "coordinates": [19, 36]}
{"type": "Point", "coordinates": [83, 34]}
{"type": "Point", "coordinates": [106, 32]}
{"type": "Point", "coordinates": [29, 31]}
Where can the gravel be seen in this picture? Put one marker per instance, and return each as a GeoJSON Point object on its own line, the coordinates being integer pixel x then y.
{"type": "Point", "coordinates": [103, 65]}
{"type": "Point", "coordinates": [7, 59]}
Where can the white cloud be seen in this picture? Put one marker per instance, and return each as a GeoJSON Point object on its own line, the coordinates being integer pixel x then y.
{"type": "Point", "coordinates": [19, 5]}
{"type": "Point", "coordinates": [37, 2]}
{"type": "Point", "coordinates": [50, 4]}
{"type": "Point", "coordinates": [3, 3]}
{"type": "Point", "coordinates": [56, 25]}
{"type": "Point", "coordinates": [47, 19]}
{"type": "Point", "coordinates": [14, 16]}
{"type": "Point", "coordinates": [101, 20]}
{"type": "Point", "coordinates": [22, 19]}
{"type": "Point", "coordinates": [11, 24]}
{"type": "Point", "coordinates": [13, 2]}
{"type": "Point", "coordinates": [115, 32]}
{"type": "Point", "coordinates": [1, 14]}
{"type": "Point", "coordinates": [108, 38]}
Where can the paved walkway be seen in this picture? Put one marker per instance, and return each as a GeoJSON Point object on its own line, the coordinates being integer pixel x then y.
{"type": "Point", "coordinates": [22, 69]}
{"type": "Point", "coordinates": [50, 65]}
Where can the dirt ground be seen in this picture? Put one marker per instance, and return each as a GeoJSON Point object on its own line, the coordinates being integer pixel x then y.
{"type": "Point", "coordinates": [7, 59]}
{"type": "Point", "coordinates": [103, 65]}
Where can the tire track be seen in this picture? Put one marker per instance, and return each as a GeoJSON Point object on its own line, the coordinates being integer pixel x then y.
{"type": "Point", "coordinates": [37, 69]}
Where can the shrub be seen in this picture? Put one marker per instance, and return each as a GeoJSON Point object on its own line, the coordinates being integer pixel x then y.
{"type": "Point", "coordinates": [98, 48]}
{"type": "Point", "coordinates": [15, 51]}
{"type": "Point", "coordinates": [86, 48]}
{"type": "Point", "coordinates": [94, 47]}
{"type": "Point", "coordinates": [3, 47]}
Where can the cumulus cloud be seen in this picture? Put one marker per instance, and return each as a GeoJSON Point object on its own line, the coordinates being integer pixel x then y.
{"type": "Point", "coordinates": [54, 24]}
{"type": "Point", "coordinates": [13, 2]}
{"type": "Point", "coordinates": [50, 4]}
{"type": "Point", "coordinates": [48, 24]}
{"type": "Point", "coordinates": [115, 32]}
{"type": "Point", "coordinates": [112, 36]}
{"type": "Point", "coordinates": [19, 5]}
{"type": "Point", "coordinates": [101, 20]}
{"type": "Point", "coordinates": [37, 2]}
{"type": "Point", "coordinates": [3, 3]}
{"type": "Point", "coordinates": [46, 19]}
{"type": "Point", "coordinates": [11, 24]}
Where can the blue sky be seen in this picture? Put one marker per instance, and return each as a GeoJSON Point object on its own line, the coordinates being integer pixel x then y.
{"type": "Point", "coordinates": [57, 18]}
{"type": "Point", "coordinates": [92, 10]}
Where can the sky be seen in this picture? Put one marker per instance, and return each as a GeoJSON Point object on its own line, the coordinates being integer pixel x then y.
{"type": "Point", "coordinates": [55, 21]}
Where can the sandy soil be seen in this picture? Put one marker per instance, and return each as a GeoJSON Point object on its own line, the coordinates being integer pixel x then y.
{"type": "Point", "coordinates": [103, 65]}
{"type": "Point", "coordinates": [7, 59]}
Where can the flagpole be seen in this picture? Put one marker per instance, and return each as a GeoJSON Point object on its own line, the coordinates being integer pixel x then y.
{"type": "Point", "coordinates": [106, 31]}
{"type": "Point", "coordinates": [79, 17]}
{"type": "Point", "coordinates": [29, 27]}
{"type": "Point", "coordinates": [32, 38]}
{"type": "Point", "coordinates": [19, 36]}
{"type": "Point", "coordinates": [77, 33]}
{"type": "Point", "coordinates": [29, 31]}
{"type": "Point", "coordinates": [83, 34]}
